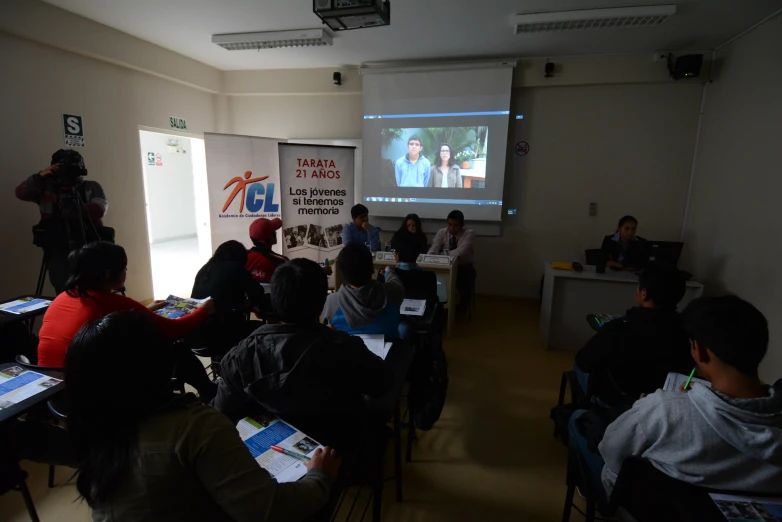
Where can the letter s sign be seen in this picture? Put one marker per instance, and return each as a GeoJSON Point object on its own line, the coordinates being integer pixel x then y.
{"type": "Point", "coordinates": [73, 129]}
{"type": "Point", "coordinates": [74, 125]}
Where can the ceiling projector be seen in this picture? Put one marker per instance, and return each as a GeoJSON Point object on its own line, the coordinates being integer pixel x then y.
{"type": "Point", "coordinates": [341, 15]}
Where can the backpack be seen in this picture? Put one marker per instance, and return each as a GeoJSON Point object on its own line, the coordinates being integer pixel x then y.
{"type": "Point", "coordinates": [429, 382]}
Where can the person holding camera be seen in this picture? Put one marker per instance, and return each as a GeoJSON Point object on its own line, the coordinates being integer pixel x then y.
{"type": "Point", "coordinates": [71, 210]}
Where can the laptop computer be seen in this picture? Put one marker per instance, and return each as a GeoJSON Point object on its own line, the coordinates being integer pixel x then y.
{"type": "Point", "coordinates": [663, 252]}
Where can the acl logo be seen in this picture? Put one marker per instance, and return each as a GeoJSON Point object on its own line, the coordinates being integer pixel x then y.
{"type": "Point", "coordinates": [252, 195]}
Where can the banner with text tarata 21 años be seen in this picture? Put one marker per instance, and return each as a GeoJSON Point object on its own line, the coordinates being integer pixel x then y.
{"type": "Point", "coordinates": [317, 194]}
{"type": "Point", "coordinates": [243, 174]}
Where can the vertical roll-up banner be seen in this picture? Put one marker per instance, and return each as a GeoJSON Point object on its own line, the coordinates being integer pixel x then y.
{"type": "Point", "coordinates": [317, 194]}
{"type": "Point", "coordinates": [243, 174]}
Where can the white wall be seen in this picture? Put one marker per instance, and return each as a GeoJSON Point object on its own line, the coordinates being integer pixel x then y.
{"type": "Point", "coordinates": [170, 194]}
{"type": "Point", "coordinates": [626, 147]}
{"type": "Point", "coordinates": [39, 84]}
{"type": "Point", "coordinates": [732, 240]}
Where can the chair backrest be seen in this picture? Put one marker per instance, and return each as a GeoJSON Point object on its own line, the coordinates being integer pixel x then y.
{"type": "Point", "coordinates": [648, 494]}
{"type": "Point", "coordinates": [23, 361]}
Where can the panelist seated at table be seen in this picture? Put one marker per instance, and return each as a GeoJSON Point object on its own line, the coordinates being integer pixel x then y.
{"type": "Point", "coordinates": [363, 305]}
{"type": "Point", "coordinates": [360, 231]}
{"type": "Point", "coordinates": [412, 226]}
{"type": "Point", "coordinates": [633, 354]}
{"type": "Point", "coordinates": [457, 241]}
{"type": "Point", "coordinates": [146, 454]}
{"type": "Point", "coordinates": [624, 249]}
{"type": "Point", "coordinates": [311, 375]}
{"type": "Point", "coordinates": [97, 270]}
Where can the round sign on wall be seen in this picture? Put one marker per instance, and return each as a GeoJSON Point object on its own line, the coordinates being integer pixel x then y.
{"type": "Point", "coordinates": [522, 148]}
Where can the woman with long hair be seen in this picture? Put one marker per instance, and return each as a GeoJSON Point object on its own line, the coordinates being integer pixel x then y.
{"type": "Point", "coordinates": [97, 271]}
{"type": "Point", "coordinates": [445, 171]}
{"type": "Point", "coordinates": [624, 249]}
{"type": "Point", "coordinates": [225, 279]}
{"type": "Point", "coordinates": [412, 226]}
{"type": "Point", "coordinates": [146, 454]}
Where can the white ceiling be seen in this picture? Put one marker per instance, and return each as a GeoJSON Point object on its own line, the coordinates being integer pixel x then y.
{"type": "Point", "coordinates": [420, 29]}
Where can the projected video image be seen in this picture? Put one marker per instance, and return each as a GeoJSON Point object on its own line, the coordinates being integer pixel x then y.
{"type": "Point", "coordinates": [434, 157]}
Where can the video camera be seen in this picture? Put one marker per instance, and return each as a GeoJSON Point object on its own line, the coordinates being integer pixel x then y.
{"type": "Point", "coordinates": [70, 168]}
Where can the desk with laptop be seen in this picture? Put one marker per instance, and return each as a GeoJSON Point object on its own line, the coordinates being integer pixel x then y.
{"type": "Point", "coordinates": [569, 296]}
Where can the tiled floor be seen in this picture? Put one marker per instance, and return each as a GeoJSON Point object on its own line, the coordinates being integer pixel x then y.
{"type": "Point", "coordinates": [491, 457]}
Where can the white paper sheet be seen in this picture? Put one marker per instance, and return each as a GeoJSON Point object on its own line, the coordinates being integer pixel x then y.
{"type": "Point", "coordinates": [415, 307]}
{"type": "Point", "coordinates": [674, 381]}
{"type": "Point", "coordinates": [376, 344]}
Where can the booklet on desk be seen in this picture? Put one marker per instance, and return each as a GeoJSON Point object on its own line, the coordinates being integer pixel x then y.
{"type": "Point", "coordinates": [376, 343]}
{"type": "Point", "coordinates": [180, 306]}
{"type": "Point", "coordinates": [413, 307]}
{"type": "Point", "coordinates": [18, 384]}
{"type": "Point", "coordinates": [736, 508]}
{"type": "Point", "coordinates": [24, 305]}
{"type": "Point", "coordinates": [260, 433]}
{"type": "Point", "coordinates": [675, 380]}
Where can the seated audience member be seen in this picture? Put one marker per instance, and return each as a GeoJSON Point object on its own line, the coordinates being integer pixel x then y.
{"type": "Point", "coordinates": [418, 284]}
{"type": "Point", "coordinates": [311, 375]}
{"type": "Point", "coordinates": [633, 354]}
{"type": "Point", "coordinates": [146, 454]}
{"type": "Point", "coordinates": [363, 305]}
{"type": "Point", "coordinates": [360, 231]}
{"type": "Point", "coordinates": [724, 437]}
{"type": "Point", "coordinates": [97, 270]}
{"type": "Point", "coordinates": [624, 249]}
{"type": "Point", "coordinates": [262, 261]}
{"type": "Point", "coordinates": [225, 279]}
{"type": "Point", "coordinates": [457, 241]}
{"type": "Point", "coordinates": [412, 226]}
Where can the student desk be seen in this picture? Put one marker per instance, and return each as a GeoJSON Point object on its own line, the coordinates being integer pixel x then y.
{"type": "Point", "coordinates": [446, 277]}
{"type": "Point", "coordinates": [9, 318]}
{"type": "Point", "coordinates": [13, 409]}
{"type": "Point", "coordinates": [568, 297]}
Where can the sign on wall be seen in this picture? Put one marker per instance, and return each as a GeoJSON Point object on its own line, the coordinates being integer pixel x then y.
{"type": "Point", "coordinates": [243, 177]}
{"type": "Point", "coordinates": [151, 158]}
{"type": "Point", "coordinates": [73, 130]}
{"type": "Point", "coordinates": [317, 194]}
{"type": "Point", "coordinates": [177, 123]}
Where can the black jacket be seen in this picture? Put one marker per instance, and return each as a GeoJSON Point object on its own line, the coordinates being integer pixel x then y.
{"type": "Point", "coordinates": [311, 376]}
{"type": "Point", "coordinates": [635, 353]}
{"type": "Point", "coordinates": [633, 256]}
{"type": "Point", "coordinates": [419, 284]}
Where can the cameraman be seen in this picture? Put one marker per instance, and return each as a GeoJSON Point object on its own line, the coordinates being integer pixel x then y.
{"type": "Point", "coordinates": [71, 209]}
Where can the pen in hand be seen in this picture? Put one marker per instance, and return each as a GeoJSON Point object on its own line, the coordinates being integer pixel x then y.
{"type": "Point", "coordinates": [689, 380]}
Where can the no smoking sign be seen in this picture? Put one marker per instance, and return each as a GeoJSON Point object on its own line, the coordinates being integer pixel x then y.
{"type": "Point", "coordinates": [522, 148]}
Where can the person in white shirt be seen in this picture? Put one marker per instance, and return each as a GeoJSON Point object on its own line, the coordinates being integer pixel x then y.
{"type": "Point", "coordinates": [445, 172]}
{"type": "Point", "coordinates": [457, 242]}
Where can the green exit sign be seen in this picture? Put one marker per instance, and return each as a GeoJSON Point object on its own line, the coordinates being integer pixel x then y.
{"type": "Point", "coordinates": [177, 123]}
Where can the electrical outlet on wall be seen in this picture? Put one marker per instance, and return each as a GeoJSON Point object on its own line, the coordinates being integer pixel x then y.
{"type": "Point", "coordinates": [593, 209]}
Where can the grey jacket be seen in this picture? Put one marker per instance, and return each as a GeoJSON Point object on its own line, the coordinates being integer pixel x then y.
{"type": "Point", "coordinates": [367, 304]}
{"type": "Point", "coordinates": [702, 437]}
{"type": "Point", "coordinates": [454, 178]}
{"type": "Point", "coordinates": [191, 465]}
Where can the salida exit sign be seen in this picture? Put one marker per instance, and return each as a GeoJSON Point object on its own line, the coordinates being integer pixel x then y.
{"type": "Point", "coordinates": [177, 123]}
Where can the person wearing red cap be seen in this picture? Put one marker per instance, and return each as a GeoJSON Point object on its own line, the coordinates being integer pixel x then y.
{"type": "Point", "coordinates": [262, 261]}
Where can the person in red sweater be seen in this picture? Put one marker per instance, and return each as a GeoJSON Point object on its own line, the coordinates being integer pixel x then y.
{"type": "Point", "coordinates": [262, 261]}
{"type": "Point", "coordinates": [96, 271]}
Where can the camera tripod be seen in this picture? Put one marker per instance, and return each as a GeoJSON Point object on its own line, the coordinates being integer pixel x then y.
{"type": "Point", "coordinates": [70, 204]}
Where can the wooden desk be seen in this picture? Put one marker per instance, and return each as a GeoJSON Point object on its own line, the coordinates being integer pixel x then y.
{"type": "Point", "coordinates": [568, 297]}
{"type": "Point", "coordinates": [443, 272]}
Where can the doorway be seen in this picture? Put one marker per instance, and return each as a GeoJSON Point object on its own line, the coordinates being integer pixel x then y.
{"type": "Point", "coordinates": [177, 208]}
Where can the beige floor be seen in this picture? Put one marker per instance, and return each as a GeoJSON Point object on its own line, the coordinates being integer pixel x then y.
{"type": "Point", "coordinates": [491, 457]}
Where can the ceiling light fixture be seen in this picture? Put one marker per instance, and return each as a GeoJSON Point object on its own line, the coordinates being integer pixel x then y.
{"type": "Point", "coordinates": [273, 39]}
{"type": "Point", "coordinates": [593, 19]}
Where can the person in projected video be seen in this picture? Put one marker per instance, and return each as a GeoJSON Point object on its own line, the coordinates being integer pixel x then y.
{"type": "Point", "coordinates": [445, 173]}
{"type": "Point", "coordinates": [412, 169]}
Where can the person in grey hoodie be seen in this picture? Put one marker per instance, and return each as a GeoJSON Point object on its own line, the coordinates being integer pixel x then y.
{"type": "Point", "coordinates": [363, 305]}
{"type": "Point", "coordinates": [726, 437]}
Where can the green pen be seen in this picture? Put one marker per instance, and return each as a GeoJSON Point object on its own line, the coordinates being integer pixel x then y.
{"type": "Point", "coordinates": [692, 374]}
